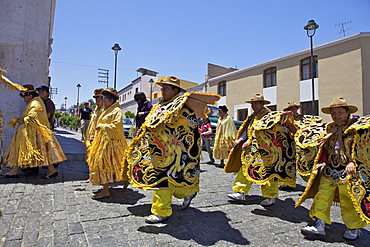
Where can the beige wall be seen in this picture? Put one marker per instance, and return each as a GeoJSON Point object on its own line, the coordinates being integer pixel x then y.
{"type": "Point", "coordinates": [344, 71]}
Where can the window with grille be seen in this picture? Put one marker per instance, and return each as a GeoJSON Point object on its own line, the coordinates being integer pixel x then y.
{"type": "Point", "coordinates": [222, 88]}
{"type": "Point", "coordinates": [306, 68]}
{"type": "Point", "coordinates": [269, 77]}
{"type": "Point", "coordinates": [307, 108]}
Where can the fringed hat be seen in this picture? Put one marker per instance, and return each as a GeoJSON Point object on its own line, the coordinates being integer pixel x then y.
{"type": "Point", "coordinates": [98, 92]}
{"type": "Point", "coordinates": [258, 97]}
{"type": "Point", "coordinates": [339, 102]}
{"type": "Point", "coordinates": [170, 80]}
{"type": "Point", "coordinates": [111, 91]}
{"type": "Point", "coordinates": [291, 104]}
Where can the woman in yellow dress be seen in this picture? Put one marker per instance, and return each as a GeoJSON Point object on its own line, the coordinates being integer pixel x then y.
{"type": "Point", "coordinates": [33, 144]}
{"type": "Point", "coordinates": [108, 145]}
{"type": "Point", "coordinates": [225, 135]}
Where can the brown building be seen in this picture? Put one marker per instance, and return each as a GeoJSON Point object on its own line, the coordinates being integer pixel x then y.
{"type": "Point", "coordinates": [342, 70]}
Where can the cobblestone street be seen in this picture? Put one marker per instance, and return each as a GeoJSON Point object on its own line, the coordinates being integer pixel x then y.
{"type": "Point", "coordinates": [60, 212]}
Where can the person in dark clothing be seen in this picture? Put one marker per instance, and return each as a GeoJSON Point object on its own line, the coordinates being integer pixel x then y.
{"type": "Point", "coordinates": [85, 115]}
{"type": "Point", "coordinates": [143, 108]}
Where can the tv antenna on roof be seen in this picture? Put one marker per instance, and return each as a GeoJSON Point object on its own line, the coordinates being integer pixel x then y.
{"type": "Point", "coordinates": [342, 29]}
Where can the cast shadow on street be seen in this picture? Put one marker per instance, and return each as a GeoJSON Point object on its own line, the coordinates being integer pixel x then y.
{"type": "Point", "coordinates": [205, 228]}
{"type": "Point", "coordinates": [122, 196]}
{"type": "Point", "coordinates": [286, 210]}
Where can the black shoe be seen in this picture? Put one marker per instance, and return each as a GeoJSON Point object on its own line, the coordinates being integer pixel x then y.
{"type": "Point", "coordinates": [210, 163]}
{"type": "Point", "coordinates": [30, 170]}
{"type": "Point", "coordinates": [56, 165]}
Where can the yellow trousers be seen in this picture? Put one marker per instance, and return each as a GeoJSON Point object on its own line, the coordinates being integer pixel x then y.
{"type": "Point", "coordinates": [293, 182]}
{"type": "Point", "coordinates": [162, 199]}
{"type": "Point", "coordinates": [324, 199]}
{"type": "Point", "coordinates": [241, 184]}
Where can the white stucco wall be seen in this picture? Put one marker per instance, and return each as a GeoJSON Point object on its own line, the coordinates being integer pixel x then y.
{"type": "Point", "coordinates": [24, 51]}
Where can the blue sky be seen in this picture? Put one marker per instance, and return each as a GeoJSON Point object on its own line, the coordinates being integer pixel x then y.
{"type": "Point", "coordinates": [180, 37]}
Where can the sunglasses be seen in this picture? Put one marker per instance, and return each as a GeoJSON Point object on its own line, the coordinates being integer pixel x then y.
{"type": "Point", "coordinates": [24, 94]}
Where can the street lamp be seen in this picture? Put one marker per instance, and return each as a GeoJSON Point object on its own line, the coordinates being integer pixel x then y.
{"type": "Point", "coordinates": [311, 30]}
{"type": "Point", "coordinates": [116, 48]}
{"type": "Point", "coordinates": [65, 104]}
{"type": "Point", "coordinates": [151, 81]}
{"type": "Point", "coordinates": [78, 97]}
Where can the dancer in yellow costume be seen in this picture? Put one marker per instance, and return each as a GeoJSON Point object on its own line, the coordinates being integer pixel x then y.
{"type": "Point", "coordinates": [300, 121]}
{"type": "Point", "coordinates": [225, 135]}
{"type": "Point", "coordinates": [108, 146]}
{"type": "Point", "coordinates": [234, 164]}
{"type": "Point", "coordinates": [340, 169]}
{"type": "Point", "coordinates": [33, 144]}
{"type": "Point", "coordinates": [164, 154]}
{"type": "Point", "coordinates": [90, 132]}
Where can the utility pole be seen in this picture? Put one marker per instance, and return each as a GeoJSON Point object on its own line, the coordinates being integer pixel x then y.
{"type": "Point", "coordinates": [104, 75]}
{"type": "Point", "coordinates": [52, 91]}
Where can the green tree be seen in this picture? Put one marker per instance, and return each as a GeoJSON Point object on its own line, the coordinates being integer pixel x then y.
{"type": "Point", "coordinates": [57, 115]}
{"type": "Point", "coordinates": [129, 114]}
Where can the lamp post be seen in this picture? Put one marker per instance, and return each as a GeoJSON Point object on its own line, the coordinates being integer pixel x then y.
{"type": "Point", "coordinates": [151, 81]}
{"type": "Point", "coordinates": [65, 104]}
{"type": "Point", "coordinates": [311, 30]}
{"type": "Point", "coordinates": [116, 48]}
{"type": "Point", "coordinates": [78, 97]}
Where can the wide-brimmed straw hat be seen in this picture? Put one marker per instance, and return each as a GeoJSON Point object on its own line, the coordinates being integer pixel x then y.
{"type": "Point", "coordinates": [258, 97]}
{"type": "Point", "coordinates": [98, 92]}
{"type": "Point", "coordinates": [290, 105]}
{"type": "Point", "coordinates": [339, 102]}
{"type": "Point", "coordinates": [170, 80]}
{"type": "Point", "coordinates": [111, 91]}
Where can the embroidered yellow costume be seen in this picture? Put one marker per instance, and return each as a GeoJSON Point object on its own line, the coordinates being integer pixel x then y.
{"type": "Point", "coordinates": [164, 154]}
{"type": "Point", "coordinates": [107, 150]}
{"type": "Point", "coordinates": [337, 145]}
{"type": "Point", "coordinates": [34, 144]}
{"type": "Point", "coordinates": [225, 136]}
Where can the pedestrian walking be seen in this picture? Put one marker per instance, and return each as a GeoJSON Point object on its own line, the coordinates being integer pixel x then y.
{"type": "Point", "coordinates": [108, 145]}
{"type": "Point", "coordinates": [143, 108]}
{"type": "Point", "coordinates": [341, 170]}
{"type": "Point", "coordinates": [85, 116]}
{"type": "Point", "coordinates": [33, 144]}
{"type": "Point", "coordinates": [205, 131]}
{"type": "Point", "coordinates": [225, 135]}
{"type": "Point", "coordinates": [164, 154]}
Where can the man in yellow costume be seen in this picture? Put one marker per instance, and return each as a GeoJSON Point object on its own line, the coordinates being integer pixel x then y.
{"type": "Point", "coordinates": [241, 184]}
{"type": "Point", "coordinates": [340, 169]}
{"type": "Point", "coordinates": [164, 154]}
{"type": "Point", "coordinates": [33, 144]}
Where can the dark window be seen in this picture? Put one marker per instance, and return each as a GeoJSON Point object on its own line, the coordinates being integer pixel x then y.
{"type": "Point", "coordinates": [272, 107]}
{"type": "Point", "coordinates": [306, 68]}
{"type": "Point", "coordinates": [242, 114]}
{"type": "Point", "coordinates": [222, 88]}
{"type": "Point", "coordinates": [155, 95]}
{"type": "Point", "coordinates": [136, 90]}
{"type": "Point", "coordinates": [269, 77]}
{"type": "Point", "coordinates": [307, 108]}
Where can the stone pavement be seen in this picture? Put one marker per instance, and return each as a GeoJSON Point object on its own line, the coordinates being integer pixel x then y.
{"type": "Point", "coordinates": [60, 212]}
